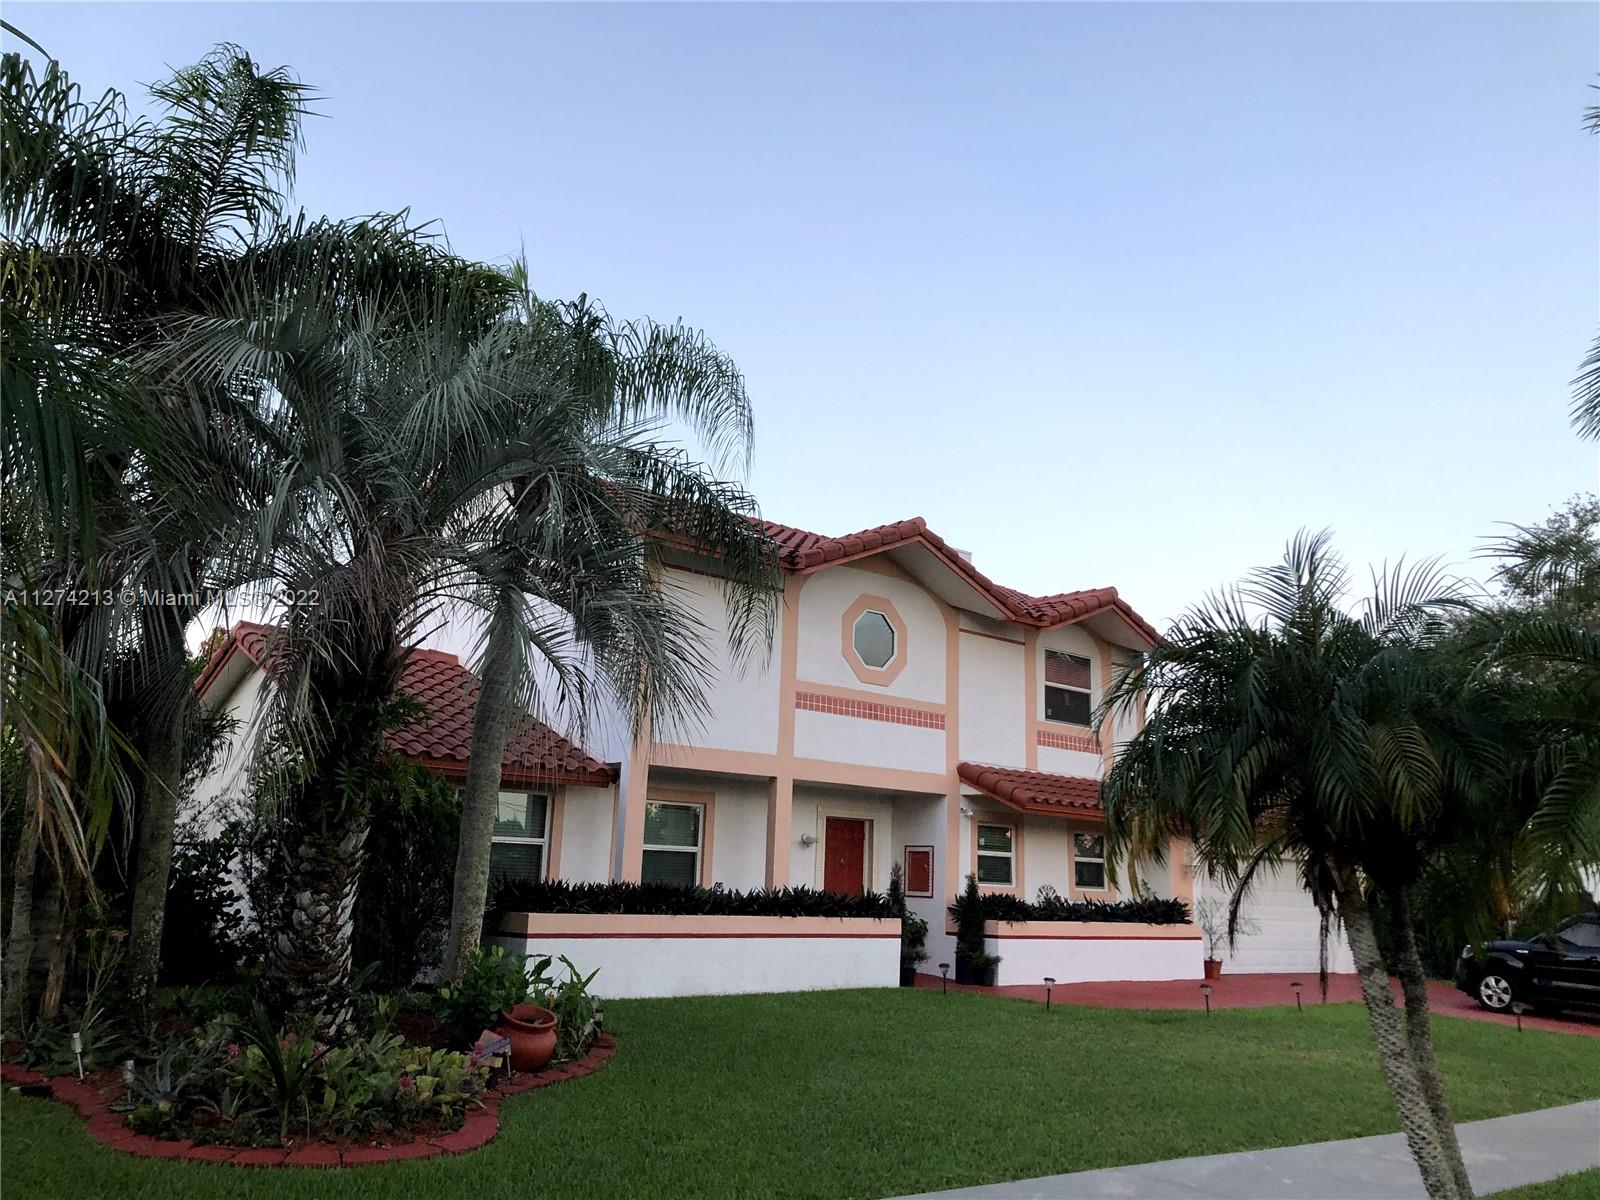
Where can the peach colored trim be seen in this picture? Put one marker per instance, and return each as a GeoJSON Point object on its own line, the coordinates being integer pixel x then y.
{"type": "Point", "coordinates": [877, 676]}
{"type": "Point", "coordinates": [1074, 931]}
{"type": "Point", "coordinates": [780, 799]}
{"type": "Point", "coordinates": [868, 710]}
{"type": "Point", "coordinates": [633, 807]}
{"type": "Point", "coordinates": [644, 925]}
{"type": "Point", "coordinates": [802, 770]}
{"type": "Point", "coordinates": [952, 751]}
{"type": "Point", "coordinates": [1030, 679]}
{"type": "Point", "coordinates": [995, 637]}
{"type": "Point", "coordinates": [1016, 887]}
{"type": "Point", "coordinates": [708, 824]}
{"type": "Point", "coordinates": [1182, 876]}
{"type": "Point", "coordinates": [558, 812]}
{"type": "Point", "coordinates": [849, 693]}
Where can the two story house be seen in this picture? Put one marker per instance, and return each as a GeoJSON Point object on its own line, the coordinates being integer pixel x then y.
{"type": "Point", "coordinates": [911, 711]}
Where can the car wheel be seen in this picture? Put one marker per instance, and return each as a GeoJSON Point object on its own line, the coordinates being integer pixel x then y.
{"type": "Point", "coordinates": [1494, 992]}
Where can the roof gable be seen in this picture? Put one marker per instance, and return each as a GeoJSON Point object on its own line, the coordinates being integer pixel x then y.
{"type": "Point", "coordinates": [442, 737]}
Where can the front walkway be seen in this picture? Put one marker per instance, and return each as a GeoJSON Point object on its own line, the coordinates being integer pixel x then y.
{"type": "Point", "coordinates": [1262, 991]}
{"type": "Point", "coordinates": [1502, 1152]}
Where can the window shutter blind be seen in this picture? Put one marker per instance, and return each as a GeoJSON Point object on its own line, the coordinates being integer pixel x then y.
{"type": "Point", "coordinates": [1066, 670]}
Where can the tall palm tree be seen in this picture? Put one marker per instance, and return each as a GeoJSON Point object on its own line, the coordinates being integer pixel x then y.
{"type": "Point", "coordinates": [1287, 731]}
{"type": "Point", "coordinates": [585, 553]}
{"type": "Point", "coordinates": [110, 224]}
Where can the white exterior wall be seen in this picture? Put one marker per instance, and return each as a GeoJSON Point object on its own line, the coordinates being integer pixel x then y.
{"type": "Point", "coordinates": [1069, 762]}
{"type": "Point", "coordinates": [739, 846]}
{"type": "Point", "coordinates": [820, 656]}
{"type": "Point", "coordinates": [642, 967]}
{"type": "Point", "coordinates": [1287, 925]}
{"type": "Point", "coordinates": [920, 822]}
{"type": "Point", "coordinates": [869, 743]}
{"type": "Point", "coordinates": [993, 702]}
{"type": "Point", "coordinates": [586, 819]}
{"type": "Point", "coordinates": [216, 795]}
{"type": "Point", "coordinates": [1086, 960]}
{"type": "Point", "coordinates": [1045, 846]}
{"type": "Point", "coordinates": [744, 698]}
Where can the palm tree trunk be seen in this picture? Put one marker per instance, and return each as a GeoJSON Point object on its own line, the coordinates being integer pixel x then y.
{"type": "Point", "coordinates": [163, 760]}
{"type": "Point", "coordinates": [19, 940]}
{"type": "Point", "coordinates": [311, 954]}
{"type": "Point", "coordinates": [491, 729]}
{"type": "Point", "coordinates": [66, 897]}
{"type": "Point", "coordinates": [1419, 1035]}
{"type": "Point", "coordinates": [1405, 1089]}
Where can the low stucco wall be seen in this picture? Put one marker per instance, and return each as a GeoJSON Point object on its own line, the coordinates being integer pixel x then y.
{"type": "Point", "coordinates": [1093, 951]}
{"type": "Point", "coordinates": [643, 956]}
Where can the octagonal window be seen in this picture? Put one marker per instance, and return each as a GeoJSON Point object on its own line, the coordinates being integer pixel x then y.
{"type": "Point", "coordinates": [873, 638]}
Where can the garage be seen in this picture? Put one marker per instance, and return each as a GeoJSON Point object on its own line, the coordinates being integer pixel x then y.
{"type": "Point", "coordinates": [1285, 923]}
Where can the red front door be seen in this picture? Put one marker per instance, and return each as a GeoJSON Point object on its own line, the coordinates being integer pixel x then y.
{"type": "Point", "coordinates": [844, 867]}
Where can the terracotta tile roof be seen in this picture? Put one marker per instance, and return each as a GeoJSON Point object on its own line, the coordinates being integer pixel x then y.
{"type": "Point", "coordinates": [443, 736]}
{"type": "Point", "coordinates": [802, 550]}
{"type": "Point", "coordinates": [1034, 791]}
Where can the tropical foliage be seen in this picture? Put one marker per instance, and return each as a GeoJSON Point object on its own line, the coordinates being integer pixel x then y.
{"type": "Point", "coordinates": [1001, 906]}
{"type": "Point", "coordinates": [561, 896]}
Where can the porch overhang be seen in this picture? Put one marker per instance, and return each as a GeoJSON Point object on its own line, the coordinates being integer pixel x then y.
{"type": "Point", "coordinates": [1035, 791]}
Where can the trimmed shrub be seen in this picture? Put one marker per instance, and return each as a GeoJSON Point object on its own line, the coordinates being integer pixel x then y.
{"type": "Point", "coordinates": [1149, 911]}
{"type": "Point", "coordinates": [640, 899]}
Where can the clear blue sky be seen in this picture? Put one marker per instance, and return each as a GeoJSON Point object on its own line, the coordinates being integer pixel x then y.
{"type": "Point", "coordinates": [1110, 294]}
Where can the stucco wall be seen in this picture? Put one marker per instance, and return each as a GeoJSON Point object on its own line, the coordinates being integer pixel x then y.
{"type": "Point", "coordinates": [739, 859]}
{"type": "Point", "coordinates": [870, 743]}
{"type": "Point", "coordinates": [586, 835]}
{"type": "Point", "coordinates": [1101, 957]}
{"type": "Point", "coordinates": [1286, 936]}
{"type": "Point", "coordinates": [217, 794]}
{"type": "Point", "coordinates": [744, 697]}
{"type": "Point", "coordinates": [821, 653]}
{"type": "Point", "coordinates": [711, 958]}
{"type": "Point", "coordinates": [993, 700]}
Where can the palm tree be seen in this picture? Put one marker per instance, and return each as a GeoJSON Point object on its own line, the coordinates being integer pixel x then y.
{"type": "Point", "coordinates": [587, 553]}
{"type": "Point", "coordinates": [110, 224]}
{"type": "Point", "coordinates": [1287, 731]}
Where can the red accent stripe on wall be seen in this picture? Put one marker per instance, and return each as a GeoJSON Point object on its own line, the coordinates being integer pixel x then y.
{"type": "Point", "coordinates": [1068, 741]}
{"type": "Point", "coordinates": [868, 710]}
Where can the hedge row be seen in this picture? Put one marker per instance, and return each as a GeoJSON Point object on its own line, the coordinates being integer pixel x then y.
{"type": "Point", "coordinates": [559, 896]}
{"type": "Point", "coordinates": [1151, 911]}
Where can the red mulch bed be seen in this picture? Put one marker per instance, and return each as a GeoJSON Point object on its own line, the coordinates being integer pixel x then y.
{"type": "Point", "coordinates": [94, 1096]}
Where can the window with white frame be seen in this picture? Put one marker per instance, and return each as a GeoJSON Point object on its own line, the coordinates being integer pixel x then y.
{"type": "Point", "coordinates": [673, 838]}
{"type": "Point", "coordinates": [873, 638]}
{"type": "Point", "coordinates": [1066, 688]}
{"type": "Point", "coordinates": [1089, 861]}
{"type": "Point", "coordinates": [996, 855]}
{"type": "Point", "coordinates": [521, 835]}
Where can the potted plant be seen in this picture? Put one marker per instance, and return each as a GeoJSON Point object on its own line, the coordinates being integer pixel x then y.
{"type": "Point", "coordinates": [913, 929]}
{"type": "Point", "coordinates": [1212, 917]}
{"type": "Point", "coordinates": [973, 964]}
{"type": "Point", "coordinates": [532, 1030]}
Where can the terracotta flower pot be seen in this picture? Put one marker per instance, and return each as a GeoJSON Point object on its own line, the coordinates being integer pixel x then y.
{"type": "Point", "coordinates": [1213, 968]}
{"type": "Point", "coordinates": [532, 1031]}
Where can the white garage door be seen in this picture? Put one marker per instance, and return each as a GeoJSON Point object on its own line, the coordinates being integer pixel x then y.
{"type": "Point", "coordinates": [1286, 927]}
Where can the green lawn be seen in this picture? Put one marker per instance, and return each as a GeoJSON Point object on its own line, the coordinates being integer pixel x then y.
{"type": "Point", "coordinates": [878, 1093]}
{"type": "Point", "coordinates": [1581, 1185]}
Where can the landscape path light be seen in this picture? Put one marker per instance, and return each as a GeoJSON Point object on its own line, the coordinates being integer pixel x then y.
{"type": "Point", "coordinates": [1048, 984]}
{"type": "Point", "coordinates": [1205, 991]}
{"type": "Point", "coordinates": [944, 977]}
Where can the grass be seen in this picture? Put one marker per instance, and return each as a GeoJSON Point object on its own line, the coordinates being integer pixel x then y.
{"type": "Point", "coordinates": [878, 1093]}
{"type": "Point", "coordinates": [1580, 1185]}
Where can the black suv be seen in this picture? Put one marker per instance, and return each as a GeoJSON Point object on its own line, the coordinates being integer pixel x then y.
{"type": "Point", "coordinates": [1558, 969]}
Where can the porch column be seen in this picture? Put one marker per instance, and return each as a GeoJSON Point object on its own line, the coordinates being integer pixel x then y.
{"type": "Point", "coordinates": [637, 791]}
{"type": "Point", "coordinates": [780, 809]}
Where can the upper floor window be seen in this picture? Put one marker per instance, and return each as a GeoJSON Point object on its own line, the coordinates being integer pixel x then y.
{"type": "Point", "coordinates": [873, 638]}
{"type": "Point", "coordinates": [996, 856]}
{"type": "Point", "coordinates": [521, 835]}
{"type": "Point", "coordinates": [1066, 688]}
{"type": "Point", "coordinates": [673, 839]}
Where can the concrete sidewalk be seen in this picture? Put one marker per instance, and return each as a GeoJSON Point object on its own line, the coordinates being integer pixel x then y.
{"type": "Point", "coordinates": [1502, 1152]}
